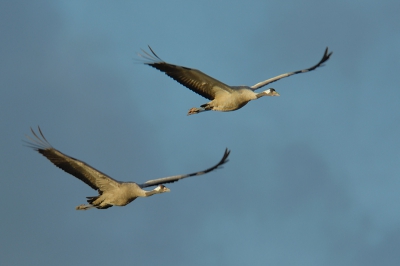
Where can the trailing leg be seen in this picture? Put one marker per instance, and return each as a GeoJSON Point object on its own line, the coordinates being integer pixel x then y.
{"type": "Point", "coordinates": [84, 207]}
{"type": "Point", "coordinates": [203, 108]}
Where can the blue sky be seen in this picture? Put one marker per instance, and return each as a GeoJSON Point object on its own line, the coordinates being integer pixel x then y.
{"type": "Point", "coordinates": [313, 177]}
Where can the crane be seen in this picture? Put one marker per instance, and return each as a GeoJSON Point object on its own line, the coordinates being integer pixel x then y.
{"type": "Point", "coordinates": [111, 192]}
{"type": "Point", "coordinates": [223, 97]}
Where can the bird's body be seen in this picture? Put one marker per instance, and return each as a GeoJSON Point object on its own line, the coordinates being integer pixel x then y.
{"type": "Point", "coordinates": [223, 97]}
{"type": "Point", "coordinates": [111, 192]}
{"type": "Point", "coordinates": [122, 194]}
{"type": "Point", "coordinates": [229, 101]}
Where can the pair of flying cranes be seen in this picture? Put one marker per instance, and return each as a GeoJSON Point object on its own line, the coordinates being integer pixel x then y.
{"type": "Point", "coordinates": [222, 98]}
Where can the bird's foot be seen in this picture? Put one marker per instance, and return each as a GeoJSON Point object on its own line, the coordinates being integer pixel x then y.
{"type": "Point", "coordinates": [193, 111]}
{"type": "Point", "coordinates": [83, 207]}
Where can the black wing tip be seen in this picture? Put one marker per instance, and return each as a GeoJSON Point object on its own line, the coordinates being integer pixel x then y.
{"type": "Point", "coordinates": [224, 159]}
{"type": "Point", "coordinates": [219, 165]}
{"type": "Point", "coordinates": [152, 51]}
{"type": "Point", "coordinates": [326, 55]}
{"type": "Point", "coordinates": [326, 52]}
{"type": "Point", "coordinates": [39, 143]}
{"type": "Point", "coordinates": [321, 62]}
{"type": "Point", "coordinates": [153, 57]}
{"type": "Point", "coordinates": [226, 155]}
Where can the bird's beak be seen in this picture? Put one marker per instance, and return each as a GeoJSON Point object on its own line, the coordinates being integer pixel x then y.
{"type": "Point", "coordinates": [166, 189]}
{"type": "Point", "coordinates": [276, 94]}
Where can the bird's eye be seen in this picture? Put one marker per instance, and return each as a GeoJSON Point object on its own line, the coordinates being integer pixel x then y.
{"type": "Point", "coordinates": [272, 89]}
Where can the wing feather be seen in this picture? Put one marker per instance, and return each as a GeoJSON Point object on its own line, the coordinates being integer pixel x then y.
{"type": "Point", "coordinates": [193, 79]}
{"type": "Point", "coordinates": [81, 170]}
{"type": "Point", "coordinates": [171, 179]}
{"type": "Point", "coordinates": [325, 58]}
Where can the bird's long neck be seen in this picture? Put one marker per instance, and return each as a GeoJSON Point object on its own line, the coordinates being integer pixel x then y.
{"type": "Point", "coordinates": [159, 189]}
{"type": "Point", "coordinates": [263, 93]}
{"type": "Point", "coordinates": [150, 193]}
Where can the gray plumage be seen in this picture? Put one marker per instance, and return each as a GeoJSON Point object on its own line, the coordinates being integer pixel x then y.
{"type": "Point", "coordinates": [111, 192]}
{"type": "Point", "coordinates": [223, 97]}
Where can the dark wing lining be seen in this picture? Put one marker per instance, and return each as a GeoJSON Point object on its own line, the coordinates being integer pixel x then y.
{"type": "Point", "coordinates": [175, 178]}
{"type": "Point", "coordinates": [325, 58]}
{"type": "Point", "coordinates": [92, 177]}
{"type": "Point", "coordinates": [193, 79]}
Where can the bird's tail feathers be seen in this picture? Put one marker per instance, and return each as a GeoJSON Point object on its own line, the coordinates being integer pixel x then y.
{"type": "Point", "coordinates": [91, 199]}
{"type": "Point", "coordinates": [93, 204]}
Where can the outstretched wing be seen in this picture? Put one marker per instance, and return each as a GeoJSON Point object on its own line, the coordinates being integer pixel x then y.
{"type": "Point", "coordinates": [94, 178]}
{"type": "Point", "coordinates": [193, 79]}
{"type": "Point", "coordinates": [325, 58]}
{"type": "Point", "coordinates": [175, 178]}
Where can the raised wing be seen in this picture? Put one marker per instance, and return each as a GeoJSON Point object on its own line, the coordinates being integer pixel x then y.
{"type": "Point", "coordinates": [175, 178]}
{"type": "Point", "coordinates": [325, 58]}
{"type": "Point", "coordinates": [94, 178]}
{"type": "Point", "coordinates": [193, 79]}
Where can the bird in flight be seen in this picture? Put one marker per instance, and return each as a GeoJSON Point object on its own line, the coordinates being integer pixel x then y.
{"type": "Point", "coordinates": [223, 97]}
{"type": "Point", "coordinates": [111, 192]}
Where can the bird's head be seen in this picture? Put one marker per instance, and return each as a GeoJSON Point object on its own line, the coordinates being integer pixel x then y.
{"type": "Point", "coordinates": [269, 92]}
{"type": "Point", "coordinates": [162, 189]}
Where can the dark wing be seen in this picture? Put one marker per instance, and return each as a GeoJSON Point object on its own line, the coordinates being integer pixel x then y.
{"type": "Point", "coordinates": [175, 178]}
{"type": "Point", "coordinates": [325, 58]}
{"type": "Point", "coordinates": [94, 178]}
{"type": "Point", "coordinates": [193, 79]}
